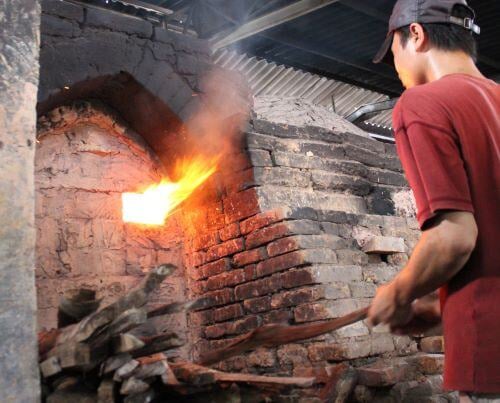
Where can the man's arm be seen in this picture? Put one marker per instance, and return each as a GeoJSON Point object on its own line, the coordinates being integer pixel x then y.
{"type": "Point", "coordinates": [440, 254]}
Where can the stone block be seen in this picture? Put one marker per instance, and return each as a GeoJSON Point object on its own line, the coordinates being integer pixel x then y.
{"type": "Point", "coordinates": [100, 18]}
{"type": "Point", "coordinates": [433, 344]}
{"type": "Point", "coordinates": [384, 245]}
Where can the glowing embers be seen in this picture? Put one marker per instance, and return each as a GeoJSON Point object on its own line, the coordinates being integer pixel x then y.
{"type": "Point", "coordinates": [153, 205]}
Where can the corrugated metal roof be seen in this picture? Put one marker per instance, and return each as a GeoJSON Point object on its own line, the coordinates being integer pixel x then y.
{"type": "Point", "coordinates": [267, 78]}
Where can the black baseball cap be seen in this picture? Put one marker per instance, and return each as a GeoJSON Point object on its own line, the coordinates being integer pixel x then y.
{"type": "Point", "coordinates": [406, 12]}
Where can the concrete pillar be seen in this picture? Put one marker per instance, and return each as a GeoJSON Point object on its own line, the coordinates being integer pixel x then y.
{"type": "Point", "coordinates": [19, 49]}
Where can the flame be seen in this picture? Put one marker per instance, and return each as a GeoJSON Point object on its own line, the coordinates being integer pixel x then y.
{"type": "Point", "coordinates": [153, 205]}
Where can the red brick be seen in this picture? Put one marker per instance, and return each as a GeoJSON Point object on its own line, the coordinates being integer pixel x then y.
{"type": "Point", "coordinates": [230, 328]}
{"type": "Point", "coordinates": [346, 350]}
{"type": "Point", "coordinates": [257, 288]}
{"type": "Point", "coordinates": [296, 297]}
{"type": "Point", "coordinates": [277, 317]}
{"type": "Point", "coordinates": [267, 234]}
{"type": "Point", "coordinates": [227, 312]}
{"type": "Point", "coordinates": [282, 245]}
{"type": "Point", "coordinates": [204, 241]}
{"type": "Point", "coordinates": [230, 231]}
{"type": "Point", "coordinates": [229, 278]}
{"type": "Point", "coordinates": [199, 258]}
{"type": "Point", "coordinates": [198, 287]}
{"type": "Point", "coordinates": [293, 354]}
{"type": "Point", "coordinates": [201, 317]}
{"type": "Point", "coordinates": [262, 357]}
{"type": "Point", "coordinates": [296, 278]}
{"type": "Point", "coordinates": [219, 297]}
{"type": "Point", "coordinates": [241, 205]}
{"type": "Point", "coordinates": [280, 263]}
{"type": "Point", "coordinates": [236, 182]}
{"type": "Point", "coordinates": [214, 268]}
{"type": "Point", "coordinates": [428, 364]}
{"type": "Point", "coordinates": [433, 344]}
{"type": "Point", "coordinates": [250, 256]}
{"type": "Point", "coordinates": [261, 220]}
{"type": "Point", "coordinates": [256, 305]}
{"type": "Point", "coordinates": [225, 249]}
{"type": "Point", "coordinates": [383, 374]}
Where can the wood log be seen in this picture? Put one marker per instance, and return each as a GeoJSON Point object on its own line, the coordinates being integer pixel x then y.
{"type": "Point", "coordinates": [84, 329]}
{"type": "Point", "coordinates": [125, 343]}
{"type": "Point", "coordinates": [126, 321]}
{"type": "Point", "coordinates": [50, 366]}
{"type": "Point", "coordinates": [158, 343]}
{"type": "Point", "coordinates": [132, 385]}
{"type": "Point", "coordinates": [115, 362]}
{"type": "Point", "coordinates": [75, 305]}
{"type": "Point", "coordinates": [194, 374]}
{"type": "Point", "coordinates": [125, 370]}
{"type": "Point", "coordinates": [276, 335]}
{"type": "Point", "coordinates": [106, 391]}
{"type": "Point", "coordinates": [143, 397]}
{"type": "Point", "coordinates": [157, 368]}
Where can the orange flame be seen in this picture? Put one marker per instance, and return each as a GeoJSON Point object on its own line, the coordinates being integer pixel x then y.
{"type": "Point", "coordinates": [154, 204]}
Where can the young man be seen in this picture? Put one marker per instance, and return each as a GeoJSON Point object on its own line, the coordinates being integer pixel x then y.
{"type": "Point", "coordinates": [447, 130]}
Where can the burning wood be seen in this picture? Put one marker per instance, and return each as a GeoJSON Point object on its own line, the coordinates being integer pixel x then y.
{"type": "Point", "coordinates": [97, 359]}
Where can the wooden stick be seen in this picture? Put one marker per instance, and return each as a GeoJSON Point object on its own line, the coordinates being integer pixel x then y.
{"type": "Point", "coordinates": [275, 335]}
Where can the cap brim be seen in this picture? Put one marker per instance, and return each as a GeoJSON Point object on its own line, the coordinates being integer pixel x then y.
{"type": "Point", "coordinates": [384, 54]}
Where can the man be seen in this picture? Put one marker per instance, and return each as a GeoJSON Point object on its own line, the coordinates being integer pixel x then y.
{"type": "Point", "coordinates": [447, 130]}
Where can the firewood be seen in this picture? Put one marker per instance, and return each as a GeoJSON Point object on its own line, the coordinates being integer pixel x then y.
{"type": "Point", "coordinates": [132, 385]}
{"type": "Point", "coordinates": [126, 321]}
{"type": "Point", "coordinates": [84, 329]}
{"type": "Point", "coordinates": [126, 342]}
{"type": "Point", "coordinates": [115, 362]}
{"type": "Point", "coordinates": [302, 382]}
{"type": "Point", "coordinates": [158, 343]}
{"type": "Point", "coordinates": [150, 370]}
{"type": "Point", "coordinates": [125, 370]}
{"type": "Point", "coordinates": [75, 305]}
{"type": "Point", "coordinates": [106, 391]}
{"type": "Point", "coordinates": [168, 377]}
{"type": "Point", "coordinates": [143, 397]}
{"type": "Point", "coordinates": [275, 335]}
{"type": "Point", "coordinates": [50, 366]}
{"type": "Point", "coordinates": [194, 374]}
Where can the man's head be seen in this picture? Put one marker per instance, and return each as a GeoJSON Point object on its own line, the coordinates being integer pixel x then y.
{"type": "Point", "coordinates": [419, 30]}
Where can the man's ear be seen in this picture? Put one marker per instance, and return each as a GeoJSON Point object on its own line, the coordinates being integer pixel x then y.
{"type": "Point", "coordinates": [418, 36]}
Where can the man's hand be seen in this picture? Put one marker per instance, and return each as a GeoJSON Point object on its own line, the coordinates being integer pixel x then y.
{"type": "Point", "coordinates": [385, 308]}
{"type": "Point", "coordinates": [426, 316]}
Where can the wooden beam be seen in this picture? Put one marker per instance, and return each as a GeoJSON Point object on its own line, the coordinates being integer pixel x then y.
{"type": "Point", "coordinates": [267, 21]}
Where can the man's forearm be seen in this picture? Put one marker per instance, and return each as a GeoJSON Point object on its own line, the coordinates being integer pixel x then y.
{"type": "Point", "coordinates": [438, 256]}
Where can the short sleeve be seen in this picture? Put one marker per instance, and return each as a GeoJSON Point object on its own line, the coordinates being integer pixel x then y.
{"type": "Point", "coordinates": [431, 158]}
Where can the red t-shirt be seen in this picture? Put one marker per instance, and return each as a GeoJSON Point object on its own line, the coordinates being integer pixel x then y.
{"type": "Point", "coordinates": [448, 139]}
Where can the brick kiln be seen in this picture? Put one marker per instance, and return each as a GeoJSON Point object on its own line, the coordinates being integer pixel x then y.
{"type": "Point", "coordinates": [298, 225]}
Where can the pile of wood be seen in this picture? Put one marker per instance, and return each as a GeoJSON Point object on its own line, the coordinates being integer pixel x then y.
{"type": "Point", "coordinates": [94, 356]}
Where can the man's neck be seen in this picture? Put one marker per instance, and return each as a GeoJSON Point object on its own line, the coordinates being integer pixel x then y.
{"type": "Point", "coordinates": [441, 64]}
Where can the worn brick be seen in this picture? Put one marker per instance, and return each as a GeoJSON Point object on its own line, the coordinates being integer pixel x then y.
{"type": "Point", "coordinates": [362, 290]}
{"type": "Point", "coordinates": [325, 310]}
{"type": "Point", "coordinates": [321, 149]}
{"type": "Point", "coordinates": [341, 230]}
{"type": "Point", "coordinates": [250, 256]}
{"type": "Point", "coordinates": [386, 177]}
{"type": "Point", "coordinates": [227, 312]}
{"type": "Point", "coordinates": [268, 234]}
{"type": "Point", "coordinates": [261, 220]}
{"type": "Point", "coordinates": [338, 217]}
{"type": "Point", "coordinates": [229, 232]}
{"type": "Point", "coordinates": [276, 316]}
{"type": "Point", "coordinates": [384, 245]}
{"type": "Point", "coordinates": [201, 318]}
{"type": "Point", "coordinates": [63, 9]}
{"type": "Point", "coordinates": [351, 256]}
{"type": "Point", "coordinates": [230, 278]}
{"type": "Point", "coordinates": [295, 242]}
{"type": "Point", "coordinates": [214, 268]}
{"type": "Point", "coordinates": [257, 288]}
{"type": "Point", "coordinates": [296, 297]}
{"type": "Point", "coordinates": [281, 176]}
{"type": "Point", "coordinates": [225, 249]}
{"type": "Point", "coordinates": [323, 180]}
{"type": "Point", "coordinates": [233, 327]}
{"type": "Point", "coordinates": [204, 241]}
{"type": "Point", "coordinates": [345, 350]}
{"type": "Point", "coordinates": [293, 354]}
{"type": "Point", "coordinates": [433, 344]}
{"type": "Point", "coordinates": [354, 330]}
{"type": "Point", "coordinates": [384, 373]}
{"type": "Point", "coordinates": [259, 304]}
{"type": "Point", "coordinates": [260, 158]}
{"type": "Point", "coordinates": [379, 274]}
{"type": "Point", "coordinates": [382, 343]}
{"type": "Point", "coordinates": [328, 273]}
{"type": "Point", "coordinates": [262, 357]}
{"type": "Point", "coordinates": [241, 205]}
{"type": "Point", "coordinates": [428, 364]}
{"type": "Point", "coordinates": [219, 297]}
{"type": "Point", "coordinates": [294, 259]}
{"type": "Point", "coordinates": [97, 17]}
{"type": "Point", "coordinates": [295, 278]}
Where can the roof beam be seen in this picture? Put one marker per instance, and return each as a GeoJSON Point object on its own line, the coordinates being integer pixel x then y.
{"type": "Point", "coordinates": [270, 20]}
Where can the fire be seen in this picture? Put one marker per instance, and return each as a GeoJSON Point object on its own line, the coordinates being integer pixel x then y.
{"type": "Point", "coordinates": [153, 205]}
